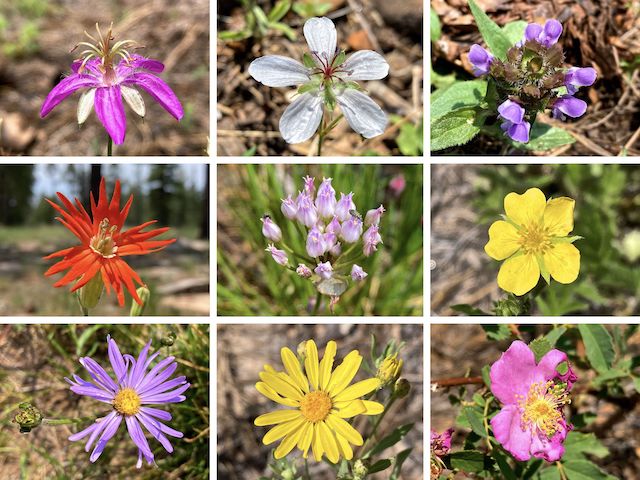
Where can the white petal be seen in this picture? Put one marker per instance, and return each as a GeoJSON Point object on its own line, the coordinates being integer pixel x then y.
{"type": "Point", "coordinates": [322, 37]}
{"type": "Point", "coordinates": [301, 119]}
{"type": "Point", "coordinates": [85, 105]}
{"type": "Point", "coordinates": [362, 113]}
{"type": "Point", "coordinates": [365, 65]}
{"type": "Point", "coordinates": [134, 99]}
{"type": "Point", "coordinates": [278, 71]}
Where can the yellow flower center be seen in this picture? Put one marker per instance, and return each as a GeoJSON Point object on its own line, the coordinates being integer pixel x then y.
{"type": "Point", "coordinates": [541, 409]}
{"type": "Point", "coordinates": [127, 402]}
{"type": "Point", "coordinates": [534, 239]}
{"type": "Point", "coordinates": [103, 243]}
{"type": "Point", "coordinates": [315, 406]}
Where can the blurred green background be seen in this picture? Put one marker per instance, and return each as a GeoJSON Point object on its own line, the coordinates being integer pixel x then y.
{"type": "Point", "coordinates": [34, 359]}
{"type": "Point", "coordinates": [607, 215]}
{"type": "Point", "coordinates": [251, 283]}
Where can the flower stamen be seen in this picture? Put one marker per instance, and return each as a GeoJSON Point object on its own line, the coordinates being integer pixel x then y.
{"type": "Point", "coordinates": [315, 406]}
{"type": "Point", "coordinates": [103, 243]}
{"type": "Point", "coordinates": [542, 407]}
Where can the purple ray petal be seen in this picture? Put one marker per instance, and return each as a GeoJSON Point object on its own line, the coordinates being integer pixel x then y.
{"type": "Point", "coordinates": [94, 393]}
{"type": "Point", "coordinates": [117, 362]}
{"type": "Point", "coordinates": [154, 412]}
{"type": "Point", "coordinates": [65, 88]}
{"type": "Point", "coordinates": [163, 387]}
{"type": "Point", "coordinates": [99, 374]}
{"type": "Point", "coordinates": [155, 380]}
{"type": "Point", "coordinates": [149, 377]}
{"type": "Point", "coordinates": [110, 112]}
{"type": "Point", "coordinates": [168, 397]}
{"type": "Point", "coordinates": [138, 61]}
{"type": "Point", "coordinates": [153, 427]}
{"type": "Point", "coordinates": [137, 435]}
{"type": "Point", "coordinates": [109, 431]}
{"type": "Point", "coordinates": [137, 372]}
{"type": "Point", "coordinates": [159, 90]}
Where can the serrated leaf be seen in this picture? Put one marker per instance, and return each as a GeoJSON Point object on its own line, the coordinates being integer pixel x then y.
{"type": "Point", "coordinates": [497, 332]}
{"type": "Point", "coordinates": [436, 30]}
{"type": "Point", "coordinates": [554, 335]}
{"type": "Point", "coordinates": [548, 473]}
{"type": "Point", "coordinates": [492, 34]}
{"type": "Point", "coordinates": [475, 420]}
{"type": "Point", "coordinates": [599, 346]}
{"type": "Point", "coordinates": [470, 93]}
{"type": "Point", "coordinates": [578, 444]}
{"type": "Point", "coordinates": [584, 470]}
{"type": "Point", "coordinates": [545, 137]}
{"type": "Point", "coordinates": [540, 347]}
{"type": "Point", "coordinates": [390, 440]}
{"type": "Point", "coordinates": [455, 128]}
{"type": "Point", "coordinates": [470, 461]}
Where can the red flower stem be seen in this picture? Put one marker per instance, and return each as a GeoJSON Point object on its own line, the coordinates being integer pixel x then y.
{"type": "Point", "coordinates": [454, 382]}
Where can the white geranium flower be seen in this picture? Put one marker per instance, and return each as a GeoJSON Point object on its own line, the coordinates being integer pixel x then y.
{"type": "Point", "coordinates": [326, 78]}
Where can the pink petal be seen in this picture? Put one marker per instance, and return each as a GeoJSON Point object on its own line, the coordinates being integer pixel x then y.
{"type": "Point", "coordinates": [514, 373]}
{"type": "Point", "coordinates": [508, 431]}
{"type": "Point", "coordinates": [552, 449]}
{"type": "Point", "coordinates": [548, 366]}
{"type": "Point", "coordinates": [65, 88]}
{"type": "Point", "coordinates": [110, 112]}
{"type": "Point", "coordinates": [159, 90]}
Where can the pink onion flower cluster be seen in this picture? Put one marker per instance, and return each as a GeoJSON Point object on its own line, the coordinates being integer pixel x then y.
{"type": "Point", "coordinates": [336, 236]}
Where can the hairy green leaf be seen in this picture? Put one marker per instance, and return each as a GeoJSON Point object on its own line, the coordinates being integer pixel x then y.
{"type": "Point", "coordinates": [455, 128]}
{"type": "Point", "coordinates": [469, 93]}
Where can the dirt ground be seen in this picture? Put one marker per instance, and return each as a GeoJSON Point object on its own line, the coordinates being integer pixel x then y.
{"type": "Point", "coordinates": [175, 33]}
{"type": "Point", "coordinates": [242, 352]}
{"type": "Point", "coordinates": [248, 112]}
{"type": "Point", "coordinates": [463, 349]}
{"type": "Point", "coordinates": [603, 34]}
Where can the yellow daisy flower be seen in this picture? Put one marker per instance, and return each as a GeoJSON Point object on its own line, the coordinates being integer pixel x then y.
{"type": "Point", "coordinates": [320, 402]}
{"type": "Point", "coordinates": [533, 240]}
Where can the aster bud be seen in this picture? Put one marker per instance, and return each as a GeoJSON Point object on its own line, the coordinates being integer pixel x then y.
{"type": "Point", "coordinates": [289, 208]}
{"type": "Point", "coordinates": [390, 369]}
{"type": "Point", "coordinates": [324, 270]}
{"type": "Point", "coordinates": [28, 418]}
{"type": "Point", "coordinates": [144, 294]}
{"type": "Point", "coordinates": [344, 206]}
{"type": "Point", "coordinates": [373, 216]}
{"type": "Point", "coordinates": [401, 388]}
{"type": "Point", "coordinates": [360, 470]}
{"type": "Point", "coordinates": [351, 229]}
{"type": "Point", "coordinates": [357, 273]}
{"type": "Point", "coordinates": [270, 230]}
{"type": "Point", "coordinates": [90, 294]}
{"type": "Point", "coordinates": [278, 255]}
{"type": "Point", "coordinates": [303, 271]}
{"type": "Point", "coordinates": [169, 339]}
{"type": "Point", "coordinates": [315, 243]}
{"type": "Point", "coordinates": [326, 199]}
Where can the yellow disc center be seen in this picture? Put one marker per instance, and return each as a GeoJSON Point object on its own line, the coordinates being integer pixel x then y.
{"type": "Point", "coordinates": [127, 402]}
{"type": "Point", "coordinates": [534, 239]}
{"type": "Point", "coordinates": [315, 406]}
{"type": "Point", "coordinates": [103, 242]}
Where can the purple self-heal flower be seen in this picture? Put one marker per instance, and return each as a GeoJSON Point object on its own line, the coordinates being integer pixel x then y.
{"type": "Point", "coordinates": [351, 229]}
{"type": "Point", "coordinates": [315, 243]}
{"type": "Point", "coordinates": [547, 35]}
{"type": "Point", "coordinates": [307, 212]}
{"type": "Point", "coordinates": [270, 230]}
{"type": "Point", "coordinates": [570, 106]}
{"type": "Point", "coordinates": [531, 422]}
{"type": "Point", "coordinates": [324, 270]}
{"type": "Point", "coordinates": [107, 83]}
{"type": "Point", "coordinates": [129, 391]}
{"type": "Point", "coordinates": [289, 208]}
{"type": "Point", "coordinates": [514, 125]}
{"type": "Point", "coordinates": [344, 206]}
{"type": "Point", "coordinates": [303, 271]}
{"type": "Point", "coordinates": [278, 255]}
{"type": "Point", "coordinates": [357, 273]}
{"type": "Point", "coordinates": [579, 77]}
{"type": "Point", "coordinates": [373, 216]}
{"type": "Point", "coordinates": [480, 60]}
{"type": "Point", "coordinates": [326, 199]}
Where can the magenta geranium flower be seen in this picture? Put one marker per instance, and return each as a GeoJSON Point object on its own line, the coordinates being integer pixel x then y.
{"type": "Point", "coordinates": [129, 396]}
{"type": "Point", "coordinates": [531, 422]}
{"type": "Point", "coordinates": [106, 83]}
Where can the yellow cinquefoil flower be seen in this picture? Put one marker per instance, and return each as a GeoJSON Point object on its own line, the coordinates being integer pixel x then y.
{"type": "Point", "coordinates": [321, 400]}
{"type": "Point", "coordinates": [533, 238]}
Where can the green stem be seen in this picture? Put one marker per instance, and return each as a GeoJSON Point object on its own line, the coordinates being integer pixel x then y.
{"type": "Point", "coordinates": [109, 146]}
{"type": "Point", "coordinates": [297, 255]}
{"type": "Point", "coordinates": [64, 421]}
{"type": "Point", "coordinates": [561, 471]}
{"type": "Point", "coordinates": [306, 469]}
{"type": "Point", "coordinates": [392, 399]}
{"type": "Point", "coordinates": [321, 134]}
{"type": "Point", "coordinates": [316, 307]}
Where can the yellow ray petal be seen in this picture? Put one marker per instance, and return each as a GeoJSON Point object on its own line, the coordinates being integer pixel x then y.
{"type": "Point", "coordinates": [343, 428]}
{"type": "Point", "coordinates": [519, 274]}
{"type": "Point", "coordinates": [278, 416]}
{"type": "Point", "coordinates": [357, 390]}
{"type": "Point", "coordinates": [526, 208]}
{"type": "Point", "coordinates": [373, 408]}
{"type": "Point", "coordinates": [311, 363]}
{"type": "Point", "coordinates": [292, 366]}
{"type": "Point", "coordinates": [326, 364]}
{"type": "Point", "coordinates": [345, 449]}
{"type": "Point", "coordinates": [316, 444]}
{"type": "Point", "coordinates": [344, 373]}
{"type": "Point", "coordinates": [288, 443]}
{"type": "Point", "coordinates": [281, 430]}
{"type": "Point", "coordinates": [271, 394]}
{"type": "Point", "coordinates": [503, 240]}
{"type": "Point", "coordinates": [563, 262]}
{"type": "Point", "coordinates": [329, 442]}
{"type": "Point", "coordinates": [558, 216]}
{"type": "Point", "coordinates": [305, 439]}
{"type": "Point", "coordinates": [350, 409]}
{"type": "Point", "coordinates": [281, 386]}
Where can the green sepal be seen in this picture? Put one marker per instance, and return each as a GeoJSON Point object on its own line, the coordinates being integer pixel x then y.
{"type": "Point", "coordinates": [308, 61]}
{"type": "Point", "coordinates": [329, 99]}
{"type": "Point", "coordinates": [339, 59]}
{"type": "Point", "coordinates": [566, 239]}
{"type": "Point", "coordinates": [308, 87]}
{"type": "Point", "coordinates": [543, 269]}
{"type": "Point", "coordinates": [353, 85]}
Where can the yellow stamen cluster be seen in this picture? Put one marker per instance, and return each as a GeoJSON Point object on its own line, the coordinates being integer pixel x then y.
{"type": "Point", "coordinates": [534, 239]}
{"type": "Point", "coordinates": [103, 242]}
{"type": "Point", "coordinates": [127, 402]}
{"type": "Point", "coordinates": [315, 406]}
{"type": "Point", "coordinates": [542, 407]}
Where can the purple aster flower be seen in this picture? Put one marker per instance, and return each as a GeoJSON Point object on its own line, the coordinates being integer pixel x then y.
{"type": "Point", "coordinates": [278, 255]}
{"type": "Point", "coordinates": [270, 230]}
{"type": "Point", "coordinates": [579, 77]}
{"type": "Point", "coordinates": [357, 273]}
{"type": "Point", "coordinates": [514, 125]}
{"type": "Point", "coordinates": [107, 84]}
{"type": "Point", "coordinates": [315, 243]}
{"type": "Point", "coordinates": [307, 213]}
{"type": "Point", "coordinates": [324, 270]}
{"type": "Point", "coordinates": [441, 443]}
{"type": "Point", "coordinates": [326, 199]}
{"type": "Point", "coordinates": [547, 35]}
{"type": "Point", "coordinates": [303, 270]}
{"type": "Point", "coordinates": [480, 60]}
{"type": "Point", "coordinates": [531, 422]}
{"type": "Point", "coordinates": [344, 206]}
{"type": "Point", "coordinates": [351, 229]}
{"type": "Point", "coordinates": [570, 106]}
{"type": "Point", "coordinates": [129, 392]}
{"type": "Point", "coordinates": [289, 208]}
{"type": "Point", "coordinates": [373, 216]}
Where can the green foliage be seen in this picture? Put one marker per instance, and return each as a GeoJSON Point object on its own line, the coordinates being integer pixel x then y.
{"type": "Point", "coordinates": [460, 95]}
{"type": "Point", "coordinates": [454, 128]}
{"type": "Point", "coordinates": [599, 346]}
{"type": "Point", "coordinates": [435, 27]}
{"type": "Point", "coordinates": [258, 23]}
{"type": "Point", "coordinates": [311, 8]}
{"type": "Point", "coordinates": [495, 38]}
{"type": "Point", "coordinates": [410, 138]}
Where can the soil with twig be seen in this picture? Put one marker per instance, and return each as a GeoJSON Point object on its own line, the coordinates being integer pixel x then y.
{"type": "Point", "coordinates": [604, 35]}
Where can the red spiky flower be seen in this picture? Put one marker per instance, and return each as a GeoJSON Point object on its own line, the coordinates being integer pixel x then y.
{"type": "Point", "coordinates": [103, 244]}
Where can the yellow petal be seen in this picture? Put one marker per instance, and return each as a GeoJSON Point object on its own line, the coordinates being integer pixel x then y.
{"type": "Point", "coordinates": [526, 208]}
{"type": "Point", "coordinates": [558, 216]}
{"type": "Point", "coordinates": [343, 428]}
{"type": "Point", "coordinates": [350, 409]}
{"type": "Point", "coordinates": [345, 449]}
{"type": "Point", "coordinates": [271, 394]}
{"type": "Point", "coordinates": [316, 444]}
{"type": "Point", "coordinates": [281, 386]}
{"type": "Point", "coordinates": [311, 363]}
{"type": "Point", "coordinates": [503, 240]}
{"type": "Point", "coordinates": [281, 430]}
{"type": "Point", "coordinates": [344, 373]}
{"type": "Point", "coordinates": [326, 364]}
{"type": "Point", "coordinates": [305, 439]}
{"type": "Point", "coordinates": [563, 262]}
{"type": "Point", "coordinates": [373, 408]}
{"type": "Point", "coordinates": [292, 366]}
{"type": "Point", "coordinates": [357, 390]}
{"type": "Point", "coordinates": [279, 416]}
{"type": "Point", "coordinates": [288, 443]}
{"type": "Point", "coordinates": [519, 274]}
{"type": "Point", "coordinates": [328, 442]}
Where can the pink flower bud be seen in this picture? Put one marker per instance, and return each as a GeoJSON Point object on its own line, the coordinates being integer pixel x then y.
{"type": "Point", "coordinates": [270, 230]}
{"type": "Point", "coordinates": [303, 270]}
{"type": "Point", "coordinates": [315, 243]}
{"type": "Point", "coordinates": [357, 273]}
{"type": "Point", "coordinates": [344, 206]}
{"type": "Point", "coordinates": [278, 255]}
{"type": "Point", "coordinates": [307, 213]}
{"type": "Point", "coordinates": [373, 216]}
{"type": "Point", "coordinates": [324, 270]}
{"type": "Point", "coordinates": [289, 208]}
{"type": "Point", "coordinates": [326, 199]}
{"type": "Point", "coordinates": [397, 185]}
{"type": "Point", "coordinates": [351, 229]}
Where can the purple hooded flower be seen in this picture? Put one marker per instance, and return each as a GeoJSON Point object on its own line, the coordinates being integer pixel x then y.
{"type": "Point", "coordinates": [351, 229]}
{"type": "Point", "coordinates": [547, 35]}
{"type": "Point", "coordinates": [278, 255]}
{"type": "Point", "coordinates": [270, 230]}
{"type": "Point", "coordinates": [373, 216]}
{"type": "Point", "coordinates": [129, 392]}
{"type": "Point", "coordinates": [315, 243]}
{"type": "Point", "coordinates": [289, 208]}
{"type": "Point", "coordinates": [324, 270]}
{"type": "Point", "coordinates": [344, 206]}
{"type": "Point", "coordinates": [357, 273]}
{"type": "Point", "coordinates": [307, 213]}
{"type": "Point", "coordinates": [579, 77]}
{"type": "Point", "coordinates": [480, 60]}
{"type": "Point", "coordinates": [531, 422]}
{"type": "Point", "coordinates": [326, 199]}
{"type": "Point", "coordinates": [441, 443]}
{"type": "Point", "coordinates": [107, 84]}
{"type": "Point", "coordinates": [514, 125]}
{"type": "Point", "coordinates": [569, 106]}
{"type": "Point", "coordinates": [303, 270]}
